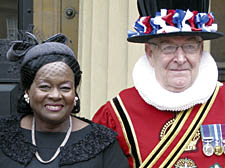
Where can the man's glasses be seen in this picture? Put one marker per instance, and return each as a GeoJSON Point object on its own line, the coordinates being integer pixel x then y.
{"type": "Point", "coordinates": [188, 48]}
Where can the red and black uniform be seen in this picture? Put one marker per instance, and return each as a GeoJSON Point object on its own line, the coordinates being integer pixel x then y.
{"type": "Point", "coordinates": [147, 123]}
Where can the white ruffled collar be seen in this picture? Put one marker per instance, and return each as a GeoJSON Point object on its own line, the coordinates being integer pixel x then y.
{"type": "Point", "coordinates": [154, 94]}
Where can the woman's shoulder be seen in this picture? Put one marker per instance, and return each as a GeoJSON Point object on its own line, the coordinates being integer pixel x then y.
{"type": "Point", "coordinates": [97, 139]}
{"type": "Point", "coordinates": [9, 121]}
{"type": "Point", "coordinates": [13, 141]}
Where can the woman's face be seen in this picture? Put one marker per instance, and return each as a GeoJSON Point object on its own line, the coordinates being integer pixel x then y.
{"type": "Point", "coordinates": [52, 93]}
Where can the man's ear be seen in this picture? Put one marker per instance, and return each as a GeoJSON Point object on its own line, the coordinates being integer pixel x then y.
{"type": "Point", "coordinates": [148, 52]}
{"type": "Point", "coordinates": [148, 49]}
{"type": "Point", "coordinates": [202, 47]}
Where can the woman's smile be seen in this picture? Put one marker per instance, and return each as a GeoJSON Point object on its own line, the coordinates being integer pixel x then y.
{"type": "Point", "coordinates": [55, 107]}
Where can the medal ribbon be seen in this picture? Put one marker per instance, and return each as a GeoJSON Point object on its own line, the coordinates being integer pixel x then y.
{"type": "Point", "coordinates": [223, 133]}
{"type": "Point", "coordinates": [217, 133]}
{"type": "Point", "coordinates": [206, 134]}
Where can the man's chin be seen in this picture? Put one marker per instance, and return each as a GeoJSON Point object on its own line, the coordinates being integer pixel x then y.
{"type": "Point", "coordinates": [179, 85]}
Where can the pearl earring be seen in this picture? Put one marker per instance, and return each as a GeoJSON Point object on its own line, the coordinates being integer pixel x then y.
{"type": "Point", "coordinates": [26, 97]}
{"type": "Point", "coordinates": [75, 100]}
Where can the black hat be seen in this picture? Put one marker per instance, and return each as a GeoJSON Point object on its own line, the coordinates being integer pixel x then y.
{"type": "Point", "coordinates": [30, 47]}
{"type": "Point", "coordinates": [163, 18]}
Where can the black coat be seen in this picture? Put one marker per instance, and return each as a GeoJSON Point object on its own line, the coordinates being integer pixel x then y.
{"type": "Point", "coordinates": [96, 148]}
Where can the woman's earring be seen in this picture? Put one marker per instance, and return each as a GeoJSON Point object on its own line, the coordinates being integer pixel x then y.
{"type": "Point", "coordinates": [26, 97]}
{"type": "Point", "coordinates": [75, 100]}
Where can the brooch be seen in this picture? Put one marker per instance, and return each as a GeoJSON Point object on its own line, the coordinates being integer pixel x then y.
{"type": "Point", "coordinates": [185, 163]}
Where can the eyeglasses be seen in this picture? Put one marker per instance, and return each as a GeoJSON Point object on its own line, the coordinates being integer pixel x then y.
{"type": "Point", "coordinates": [188, 48]}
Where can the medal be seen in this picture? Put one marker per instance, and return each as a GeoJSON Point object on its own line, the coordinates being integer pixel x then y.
{"type": "Point", "coordinates": [212, 139]}
{"type": "Point", "coordinates": [218, 149]}
{"type": "Point", "coordinates": [208, 149]}
{"type": "Point", "coordinates": [207, 140]}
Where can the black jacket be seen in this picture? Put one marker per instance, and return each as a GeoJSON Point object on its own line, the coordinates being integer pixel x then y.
{"type": "Point", "coordinates": [98, 148]}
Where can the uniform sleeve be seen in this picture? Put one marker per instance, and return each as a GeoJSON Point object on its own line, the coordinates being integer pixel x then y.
{"type": "Point", "coordinates": [107, 117]}
{"type": "Point", "coordinates": [114, 157]}
{"type": "Point", "coordinates": [103, 116]}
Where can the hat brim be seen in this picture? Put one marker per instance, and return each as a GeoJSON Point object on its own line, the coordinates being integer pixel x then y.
{"type": "Point", "coordinates": [205, 36]}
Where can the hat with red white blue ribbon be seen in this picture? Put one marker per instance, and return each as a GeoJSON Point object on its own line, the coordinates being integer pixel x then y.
{"type": "Point", "coordinates": [162, 18]}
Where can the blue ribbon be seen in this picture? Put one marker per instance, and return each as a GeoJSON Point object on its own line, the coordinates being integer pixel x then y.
{"type": "Point", "coordinates": [178, 18]}
{"type": "Point", "coordinates": [219, 132]}
{"type": "Point", "coordinates": [200, 20]}
{"type": "Point", "coordinates": [211, 127]}
{"type": "Point", "coordinates": [132, 33]}
{"type": "Point", "coordinates": [139, 28]}
{"type": "Point", "coordinates": [155, 27]}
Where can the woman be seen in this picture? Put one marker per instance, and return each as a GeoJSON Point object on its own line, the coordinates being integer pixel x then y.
{"type": "Point", "coordinates": [45, 134]}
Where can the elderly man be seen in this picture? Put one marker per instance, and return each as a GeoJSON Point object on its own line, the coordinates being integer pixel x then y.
{"type": "Point", "coordinates": [174, 115]}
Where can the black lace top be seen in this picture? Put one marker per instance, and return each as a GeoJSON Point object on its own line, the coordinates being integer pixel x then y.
{"type": "Point", "coordinates": [92, 146]}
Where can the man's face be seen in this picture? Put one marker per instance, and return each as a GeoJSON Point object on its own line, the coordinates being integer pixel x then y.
{"type": "Point", "coordinates": [176, 68]}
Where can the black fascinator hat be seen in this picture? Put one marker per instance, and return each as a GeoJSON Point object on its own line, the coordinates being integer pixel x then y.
{"type": "Point", "coordinates": [161, 18]}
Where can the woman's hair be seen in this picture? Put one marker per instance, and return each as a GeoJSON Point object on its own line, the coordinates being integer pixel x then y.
{"type": "Point", "coordinates": [35, 56]}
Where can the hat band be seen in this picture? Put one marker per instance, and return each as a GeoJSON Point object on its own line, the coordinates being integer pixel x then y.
{"type": "Point", "coordinates": [167, 21]}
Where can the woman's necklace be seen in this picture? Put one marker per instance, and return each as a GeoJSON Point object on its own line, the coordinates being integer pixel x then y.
{"type": "Point", "coordinates": [58, 149]}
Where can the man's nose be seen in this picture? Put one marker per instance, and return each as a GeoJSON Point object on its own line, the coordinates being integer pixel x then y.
{"type": "Point", "coordinates": [180, 56]}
